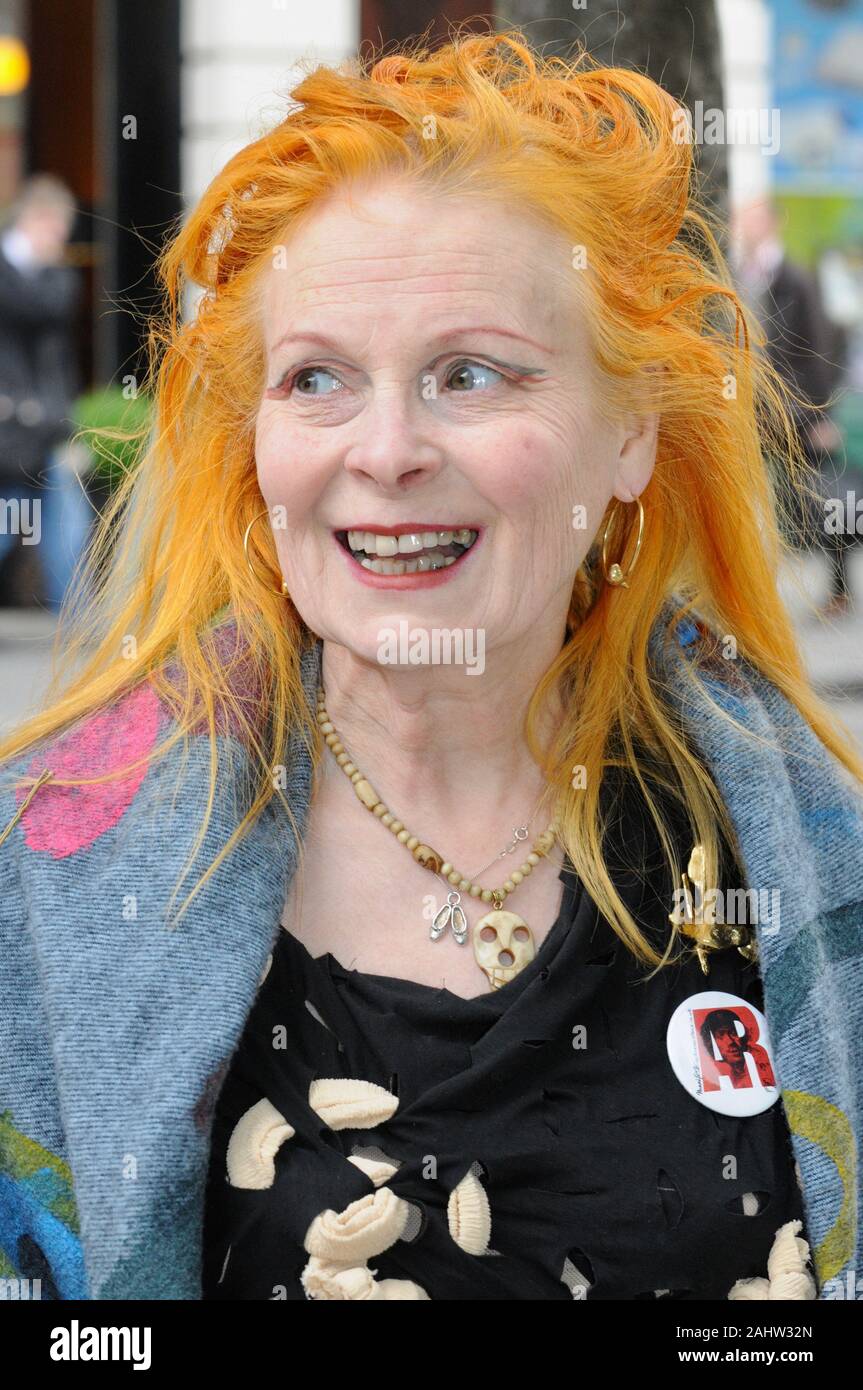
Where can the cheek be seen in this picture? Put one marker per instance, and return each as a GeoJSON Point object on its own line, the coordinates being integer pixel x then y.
{"type": "Point", "coordinates": [269, 448]}
{"type": "Point", "coordinates": [290, 472]}
{"type": "Point", "coordinates": [524, 470]}
{"type": "Point", "coordinates": [539, 474]}
{"type": "Point", "coordinates": [552, 483]}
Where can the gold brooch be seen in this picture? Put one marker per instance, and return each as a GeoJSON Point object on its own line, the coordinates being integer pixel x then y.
{"type": "Point", "coordinates": [697, 919]}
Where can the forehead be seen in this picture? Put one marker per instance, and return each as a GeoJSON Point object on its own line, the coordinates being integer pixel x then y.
{"type": "Point", "coordinates": [425, 255]}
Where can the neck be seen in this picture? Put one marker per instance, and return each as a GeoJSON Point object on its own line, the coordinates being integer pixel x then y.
{"type": "Point", "coordinates": [444, 749]}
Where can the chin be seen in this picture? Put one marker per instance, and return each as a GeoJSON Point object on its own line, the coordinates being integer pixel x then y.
{"type": "Point", "coordinates": [404, 640]}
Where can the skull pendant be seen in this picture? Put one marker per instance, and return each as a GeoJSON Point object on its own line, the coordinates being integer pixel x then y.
{"type": "Point", "coordinates": [503, 945]}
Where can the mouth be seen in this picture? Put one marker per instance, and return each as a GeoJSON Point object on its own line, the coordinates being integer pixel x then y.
{"type": "Point", "coordinates": [408, 549]}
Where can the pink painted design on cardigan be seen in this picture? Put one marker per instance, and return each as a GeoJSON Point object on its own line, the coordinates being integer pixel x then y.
{"type": "Point", "coordinates": [62, 820]}
{"type": "Point", "coordinates": [228, 650]}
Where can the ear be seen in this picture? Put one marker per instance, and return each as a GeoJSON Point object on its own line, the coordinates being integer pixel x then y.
{"type": "Point", "coordinates": [636, 456]}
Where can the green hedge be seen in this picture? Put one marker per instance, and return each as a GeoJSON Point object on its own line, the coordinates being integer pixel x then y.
{"type": "Point", "coordinates": [97, 414]}
{"type": "Point", "coordinates": [849, 414]}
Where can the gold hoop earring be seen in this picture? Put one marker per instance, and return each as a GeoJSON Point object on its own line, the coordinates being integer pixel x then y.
{"type": "Point", "coordinates": [283, 592]}
{"type": "Point", "coordinates": [614, 574]}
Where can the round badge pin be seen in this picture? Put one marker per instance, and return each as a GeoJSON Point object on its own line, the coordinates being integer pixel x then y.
{"type": "Point", "coordinates": [719, 1049]}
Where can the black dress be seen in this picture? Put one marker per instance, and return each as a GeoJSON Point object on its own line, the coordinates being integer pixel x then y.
{"type": "Point", "coordinates": [604, 1177]}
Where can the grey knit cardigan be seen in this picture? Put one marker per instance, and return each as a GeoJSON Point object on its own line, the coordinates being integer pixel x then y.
{"type": "Point", "coordinates": [118, 1026]}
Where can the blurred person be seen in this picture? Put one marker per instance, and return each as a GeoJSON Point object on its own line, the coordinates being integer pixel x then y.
{"type": "Point", "coordinates": [800, 342]}
{"type": "Point", "coordinates": [43, 502]}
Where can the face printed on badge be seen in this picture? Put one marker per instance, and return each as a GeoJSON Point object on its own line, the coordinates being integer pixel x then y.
{"type": "Point", "coordinates": [719, 1049]}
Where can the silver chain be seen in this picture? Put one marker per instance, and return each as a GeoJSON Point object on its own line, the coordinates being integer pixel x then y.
{"type": "Point", "coordinates": [452, 913]}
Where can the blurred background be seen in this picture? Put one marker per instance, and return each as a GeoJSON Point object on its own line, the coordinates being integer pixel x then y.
{"type": "Point", "coordinates": [114, 116]}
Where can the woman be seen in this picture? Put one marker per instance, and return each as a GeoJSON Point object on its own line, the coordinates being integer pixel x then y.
{"type": "Point", "coordinates": [456, 526]}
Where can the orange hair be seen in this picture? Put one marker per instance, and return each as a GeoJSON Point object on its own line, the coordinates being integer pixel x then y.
{"type": "Point", "coordinates": [598, 152]}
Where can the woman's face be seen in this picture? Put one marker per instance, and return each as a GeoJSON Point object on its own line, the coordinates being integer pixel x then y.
{"type": "Point", "coordinates": [429, 371]}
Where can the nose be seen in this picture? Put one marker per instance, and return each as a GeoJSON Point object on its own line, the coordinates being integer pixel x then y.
{"type": "Point", "coordinates": [392, 447]}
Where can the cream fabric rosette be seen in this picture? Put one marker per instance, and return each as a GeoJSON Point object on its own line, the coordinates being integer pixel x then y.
{"type": "Point", "coordinates": [329, 1281]}
{"type": "Point", "coordinates": [787, 1275]}
{"type": "Point", "coordinates": [364, 1229]}
{"type": "Point", "coordinates": [254, 1143]}
{"type": "Point", "coordinates": [340, 1243]}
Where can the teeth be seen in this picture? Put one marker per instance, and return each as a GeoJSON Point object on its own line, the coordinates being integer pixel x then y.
{"type": "Point", "coordinates": [433, 561]}
{"type": "Point", "coordinates": [409, 544]}
{"type": "Point", "coordinates": [412, 543]}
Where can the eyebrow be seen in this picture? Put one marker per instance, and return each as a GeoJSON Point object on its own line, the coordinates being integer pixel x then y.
{"type": "Point", "coordinates": [321, 339]}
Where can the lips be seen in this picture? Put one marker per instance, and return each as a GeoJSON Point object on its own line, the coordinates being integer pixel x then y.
{"type": "Point", "coordinates": [407, 549]}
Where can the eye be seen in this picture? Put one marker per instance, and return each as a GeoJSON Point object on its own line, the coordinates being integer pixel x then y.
{"type": "Point", "coordinates": [467, 376]}
{"type": "Point", "coordinates": [307, 382]}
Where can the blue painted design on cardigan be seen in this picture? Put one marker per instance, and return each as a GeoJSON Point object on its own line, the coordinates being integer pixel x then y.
{"type": "Point", "coordinates": [687, 632]}
{"type": "Point", "coordinates": [38, 1219]}
{"type": "Point", "coordinates": [23, 1217]}
{"type": "Point", "coordinates": [117, 1028]}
